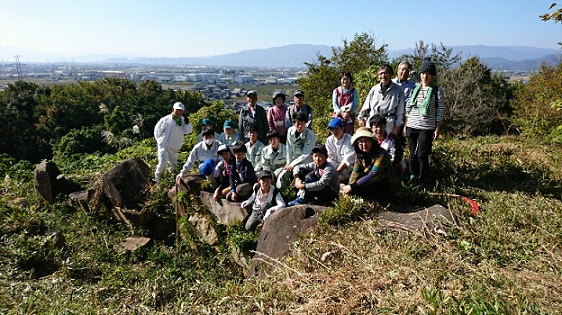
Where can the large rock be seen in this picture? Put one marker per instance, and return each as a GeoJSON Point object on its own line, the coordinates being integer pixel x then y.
{"type": "Point", "coordinates": [282, 229]}
{"type": "Point", "coordinates": [204, 228]}
{"type": "Point", "coordinates": [434, 220]}
{"type": "Point", "coordinates": [125, 184]}
{"type": "Point", "coordinates": [225, 212]}
{"type": "Point", "coordinates": [47, 181]}
{"type": "Point", "coordinates": [190, 184]}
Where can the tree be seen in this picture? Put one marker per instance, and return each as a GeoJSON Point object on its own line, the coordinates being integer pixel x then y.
{"type": "Point", "coordinates": [536, 105]}
{"type": "Point", "coordinates": [555, 16]}
{"type": "Point", "coordinates": [358, 55]}
{"type": "Point", "coordinates": [18, 103]}
{"type": "Point", "coordinates": [442, 57]}
{"type": "Point", "coordinates": [475, 98]}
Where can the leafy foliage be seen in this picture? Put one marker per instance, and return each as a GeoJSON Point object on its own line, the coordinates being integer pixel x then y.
{"type": "Point", "coordinates": [216, 113]}
{"type": "Point", "coordinates": [535, 110]}
{"type": "Point", "coordinates": [33, 119]}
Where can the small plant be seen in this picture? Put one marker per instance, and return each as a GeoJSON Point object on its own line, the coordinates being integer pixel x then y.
{"type": "Point", "coordinates": [237, 237]}
{"type": "Point", "coordinates": [345, 210]}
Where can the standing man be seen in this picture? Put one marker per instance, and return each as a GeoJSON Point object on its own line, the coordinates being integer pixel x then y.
{"type": "Point", "coordinates": [253, 114]}
{"type": "Point", "coordinates": [385, 99]}
{"type": "Point", "coordinates": [402, 80]}
{"type": "Point", "coordinates": [299, 107]}
{"type": "Point", "coordinates": [169, 132]}
{"type": "Point", "coordinates": [408, 86]}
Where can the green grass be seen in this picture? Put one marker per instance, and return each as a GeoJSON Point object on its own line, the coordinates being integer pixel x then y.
{"type": "Point", "coordinates": [506, 259]}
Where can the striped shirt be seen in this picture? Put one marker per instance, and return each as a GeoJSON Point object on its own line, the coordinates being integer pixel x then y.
{"type": "Point", "coordinates": [435, 112]}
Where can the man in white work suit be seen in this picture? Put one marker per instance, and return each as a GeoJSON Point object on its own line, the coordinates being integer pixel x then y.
{"type": "Point", "coordinates": [169, 132]}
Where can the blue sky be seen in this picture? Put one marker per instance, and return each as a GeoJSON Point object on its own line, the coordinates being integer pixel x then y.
{"type": "Point", "coordinates": [174, 28]}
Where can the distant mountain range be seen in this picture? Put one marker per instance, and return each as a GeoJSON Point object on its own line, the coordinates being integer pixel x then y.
{"type": "Point", "coordinates": [519, 58]}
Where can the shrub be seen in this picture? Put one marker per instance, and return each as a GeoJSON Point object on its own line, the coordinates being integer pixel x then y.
{"type": "Point", "coordinates": [535, 104]}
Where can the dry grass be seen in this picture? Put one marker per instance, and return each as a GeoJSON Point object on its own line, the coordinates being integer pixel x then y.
{"type": "Point", "coordinates": [504, 260]}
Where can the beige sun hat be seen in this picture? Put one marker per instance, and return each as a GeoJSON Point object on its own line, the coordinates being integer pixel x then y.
{"type": "Point", "coordinates": [362, 132]}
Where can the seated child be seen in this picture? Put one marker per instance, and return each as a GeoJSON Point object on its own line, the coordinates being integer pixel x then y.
{"type": "Point", "coordinates": [264, 200]}
{"type": "Point", "coordinates": [317, 181]}
{"type": "Point", "coordinates": [386, 141]}
{"type": "Point", "coordinates": [238, 174]}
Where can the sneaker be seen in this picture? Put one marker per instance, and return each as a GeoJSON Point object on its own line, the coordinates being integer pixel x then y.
{"type": "Point", "coordinates": [298, 201]}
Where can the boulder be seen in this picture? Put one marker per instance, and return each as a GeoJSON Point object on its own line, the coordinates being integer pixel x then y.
{"type": "Point", "coordinates": [136, 218]}
{"type": "Point", "coordinates": [434, 220]}
{"type": "Point", "coordinates": [47, 182]}
{"type": "Point", "coordinates": [190, 184]}
{"type": "Point", "coordinates": [225, 212]}
{"type": "Point", "coordinates": [80, 199]}
{"type": "Point", "coordinates": [204, 227]}
{"type": "Point", "coordinates": [125, 184]}
{"type": "Point", "coordinates": [280, 230]}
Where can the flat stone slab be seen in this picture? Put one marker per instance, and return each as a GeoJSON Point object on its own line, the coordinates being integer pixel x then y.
{"type": "Point", "coordinates": [133, 243]}
{"type": "Point", "coordinates": [226, 212]}
{"type": "Point", "coordinates": [434, 220]}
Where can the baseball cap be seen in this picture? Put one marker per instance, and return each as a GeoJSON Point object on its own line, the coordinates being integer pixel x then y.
{"type": "Point", "coordinates": [178, 105]}
{"type": "Point", "coordinates": [335, 123]}
{"type": "Point", "coordinates": [229, 124]}
{"type": "Point", "coordinates": [223, 148]}
{"type": "Point", "coordinates": [206, 121]}
{"type": "Point", "coordinates": [265, 173]}
{"type": "Point", "coordinates": [320, 148]}
{"type": "Point", "coordinates": [252, 92]}
{"type": "Point", "coordinates": [298, 92]}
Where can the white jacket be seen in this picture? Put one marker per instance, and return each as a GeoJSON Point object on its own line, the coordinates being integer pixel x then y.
{"type": "Point", "coordinates": [169, 134]}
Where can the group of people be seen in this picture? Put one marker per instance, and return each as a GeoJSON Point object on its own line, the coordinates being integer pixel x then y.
{"type": "Point", "coordinates": [276, 149]}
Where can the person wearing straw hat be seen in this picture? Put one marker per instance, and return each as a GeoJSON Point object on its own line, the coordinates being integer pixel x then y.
{"type": "Point", "coordinates": [373, 175]}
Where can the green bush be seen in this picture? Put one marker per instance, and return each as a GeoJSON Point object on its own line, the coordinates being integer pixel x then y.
{"type": "Point", "coordinates": [85, 140]}
{"type": "Point", "coordinates": [535, 110]}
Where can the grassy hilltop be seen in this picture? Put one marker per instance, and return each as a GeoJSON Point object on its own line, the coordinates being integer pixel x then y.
{"type": "Point", "coordinates": [503, 260]}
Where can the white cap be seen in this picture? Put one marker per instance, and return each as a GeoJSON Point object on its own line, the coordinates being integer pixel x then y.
{"type": "Point", "coordinates": [178, 105]}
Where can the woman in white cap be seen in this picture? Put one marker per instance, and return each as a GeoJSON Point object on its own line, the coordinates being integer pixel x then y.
{"type": "Point", "coordinates": [169, 132]}
{"type": "Point", "coordinates": [373, 175]}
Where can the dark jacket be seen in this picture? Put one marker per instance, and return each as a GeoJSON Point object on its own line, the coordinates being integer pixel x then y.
{"type": "Point", "coordinates": [259, 120]}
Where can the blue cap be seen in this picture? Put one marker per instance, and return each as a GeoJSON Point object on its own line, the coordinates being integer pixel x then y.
{"type": "Point", "coordinates": [206, 121]}
{"type": "Point", "coordinates": [229, 124]}
{"type": "Point", "coordinates": [207, 167]}
{"type": "Point", "coordinates": [335, 123]}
